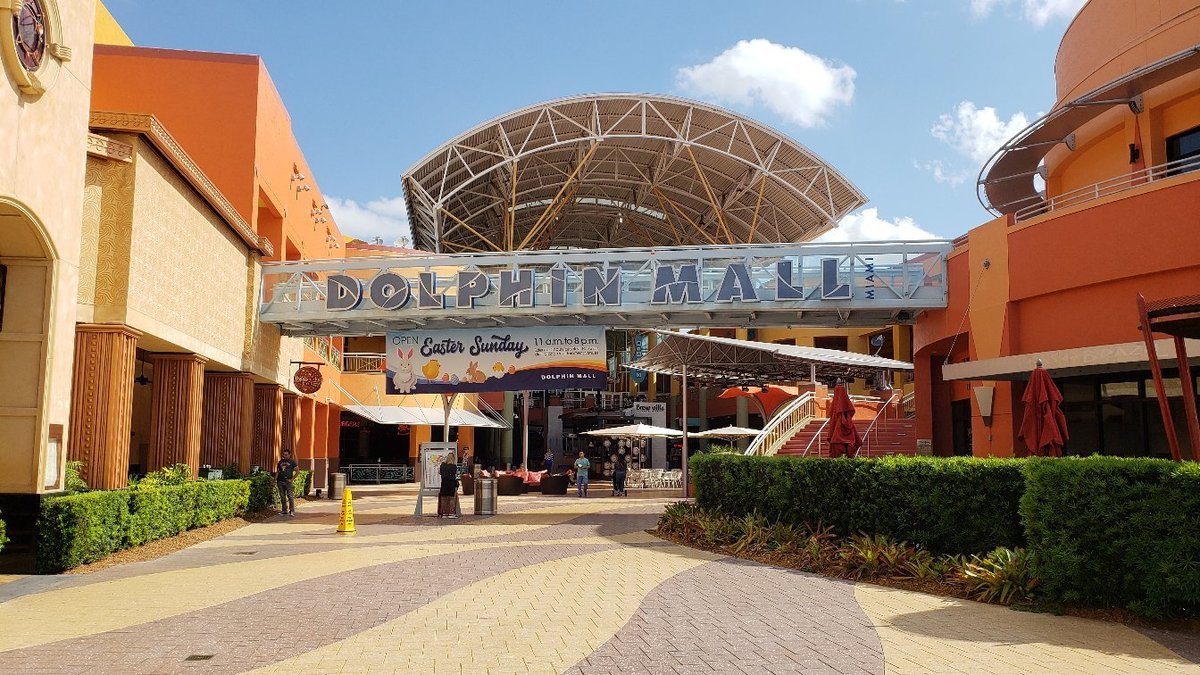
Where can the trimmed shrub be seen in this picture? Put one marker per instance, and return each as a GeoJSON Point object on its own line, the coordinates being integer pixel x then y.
{"type": "Point", "coordinates": [303, 484]}
{"type": "Point", "coordinates": [158, 512]}
{"type": "Point", "coordinates": [1114, 532]}
{"type": "Point", "coordinates": [262, 491]}
{"type": "Point", "coordinates": [3, 535]}
{"type": "Point", "coordinates": [947, 505]}
{"type": "Point", "coordinates": [218, 500]}
{"type": "Point", "coordinates": [78, 529]}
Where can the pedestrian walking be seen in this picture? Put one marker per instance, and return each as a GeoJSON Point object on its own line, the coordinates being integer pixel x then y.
{"type": "Point", "coordinates": [549, 461]}
{"type": "Point", "coordinates": [619, 470]}
{"type": "Point", "coordinates": [581, 474]}
{"type": "Point", "coordinates": [285, 474]}
{"type": "Point", "coordinates": [448, 494]}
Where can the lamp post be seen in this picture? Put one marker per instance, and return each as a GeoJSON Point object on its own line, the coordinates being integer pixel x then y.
{"type": "Point", "coordinates": [684, 452]}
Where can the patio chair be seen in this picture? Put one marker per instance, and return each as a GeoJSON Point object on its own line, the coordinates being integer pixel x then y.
{"type": "Point", "coordinates": [656, 478]}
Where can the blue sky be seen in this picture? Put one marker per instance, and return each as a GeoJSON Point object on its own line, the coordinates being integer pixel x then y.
{"type": "Point", "coordinates": [905, 97]}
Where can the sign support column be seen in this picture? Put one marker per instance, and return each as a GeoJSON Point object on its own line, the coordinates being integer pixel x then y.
{"type": "Point", "coordinates": [684, 416]}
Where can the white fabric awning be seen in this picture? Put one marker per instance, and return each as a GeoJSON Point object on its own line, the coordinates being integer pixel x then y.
{"type": "Point", "coordinates": [731, 362]}
{"type": "Point", "coordinates": [409, 414]}
{"type": "Point", "coordinates": [1113, 358]}
{"type": "Point", "coordinates": [727, 432]}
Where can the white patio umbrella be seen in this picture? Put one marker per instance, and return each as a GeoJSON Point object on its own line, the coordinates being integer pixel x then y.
{"type": "Point", "coordinates": [727, 433]}
{"type": "Point", "coordinates": [636, 431]}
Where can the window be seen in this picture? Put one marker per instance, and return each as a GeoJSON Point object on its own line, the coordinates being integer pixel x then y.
{"type": "Point", "coordinates": [1181, 147]}
{"type": "Point", "coordinates": [838, 342]}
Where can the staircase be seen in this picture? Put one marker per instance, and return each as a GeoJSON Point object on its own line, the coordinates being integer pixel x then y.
{"type": "Point", "coordinates": [895, 436]}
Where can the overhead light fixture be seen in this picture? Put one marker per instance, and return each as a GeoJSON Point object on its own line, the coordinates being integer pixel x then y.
{"type": "Point", "coordinates": [141, 379]}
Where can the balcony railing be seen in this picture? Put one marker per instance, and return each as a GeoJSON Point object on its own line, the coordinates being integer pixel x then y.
{"type": "Point", "coordinates": [363, 362]}
{"type": "Point", "coordinates": [1108, 187]}
{"type": "Point", "coordinates": [323, 347]}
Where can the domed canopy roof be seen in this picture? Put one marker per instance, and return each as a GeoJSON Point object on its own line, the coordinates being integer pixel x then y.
{"type": "Point", "coordinates": [621, 170]}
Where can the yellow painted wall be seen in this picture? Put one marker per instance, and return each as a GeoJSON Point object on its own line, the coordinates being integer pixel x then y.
{"type": "Point", "coordinates": [108, 31]}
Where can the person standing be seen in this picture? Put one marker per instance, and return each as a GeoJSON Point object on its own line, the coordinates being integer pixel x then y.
{"type": "Point", "coordinates": [619, 477]}
{"type": "Point", "coordinates": [549, 461]}
{"type": "Point", "coordinates": [285, 474]}
{"type": "Point", "coordinates": [581, 474]}
{"type": "Point", "coordinates": [448, 493]}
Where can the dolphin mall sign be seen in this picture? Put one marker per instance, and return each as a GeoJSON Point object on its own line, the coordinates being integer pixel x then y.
{"type": "Point", "coordinates": [764, 285]}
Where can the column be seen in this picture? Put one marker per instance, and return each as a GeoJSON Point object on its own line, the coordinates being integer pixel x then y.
{"type": "Point", "coordinates": [178, 399]}
{"type": "Point", "coordinates": [506, 435]}
{"type": "Point", "coordinates": [701, 413]}
{"type": "Point", "coordinates": [305, 444]}
{"type": "Point", "coordinates": [290, 432]}
{"type": "Point", "coordinates": [225, 424]}
{"type": "Point", "coordinates": [267, 425]}
{"type": "Point", "coordinates": [102, 402]}
{"type": "Point", "coordinates": [320, 438]}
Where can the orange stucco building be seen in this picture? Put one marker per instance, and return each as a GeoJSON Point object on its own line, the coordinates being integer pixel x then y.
{"type": "Point", "coordinates": [1056, 274]}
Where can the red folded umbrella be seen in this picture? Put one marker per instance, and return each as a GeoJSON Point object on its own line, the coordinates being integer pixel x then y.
{"type": "Point", "coordinates": [1043, 425]}
{"type": "Point", "coordinates": [843, 435]}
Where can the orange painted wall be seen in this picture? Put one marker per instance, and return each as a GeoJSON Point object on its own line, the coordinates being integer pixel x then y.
{"type": "Point", "coordinates": [1112, 37]}
{"type": "Point", "coordinates": [206, 101]}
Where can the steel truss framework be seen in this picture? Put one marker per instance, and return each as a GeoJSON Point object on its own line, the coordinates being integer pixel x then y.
{"type": "Point", "coordinates": [621, 170]}
{"type": "Point", "coordinates": [731, 363]}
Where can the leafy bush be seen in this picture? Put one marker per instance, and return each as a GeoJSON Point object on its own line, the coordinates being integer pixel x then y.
{"type": "Point", "coordinates": [1001, 576]}
{"type": "Point", "coordinates": [264, 491]}
{"type": "Point", "coordinates": [218, 500]}
{"type": "Point", "coordinates": [77, 529]}
{"type": "Point", "coordinates": [3, 536]}
{"type": "Point", "coordinates": [951, 505]}
{"type": "Point", "coordinates": [156, 512]}
{"type": "Point", "coordinates": [1114, 532]}
{"type": "Point", "coordinates": [73, 481]}
{"type": "Point", "coordinates": [874, 556]}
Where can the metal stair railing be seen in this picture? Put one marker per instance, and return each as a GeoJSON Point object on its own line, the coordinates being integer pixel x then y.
{"type": "Point", "coordinates": [792, 417]}
{"type": "Point", "coordinates": [909, 405]}
{"type": "Point", "coordinates": [879, 414]}
{"type": "Point", "coordinates": [816, 439]}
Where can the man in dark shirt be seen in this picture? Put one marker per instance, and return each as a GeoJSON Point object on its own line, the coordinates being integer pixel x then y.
{"type": "Point", "coordinates": [285, 473]}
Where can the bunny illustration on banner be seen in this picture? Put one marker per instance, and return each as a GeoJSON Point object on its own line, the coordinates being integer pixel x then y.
{"type": "Point", "coordinates": [475, 374]}
{"type": "Point", "coordinates": [405, 380]}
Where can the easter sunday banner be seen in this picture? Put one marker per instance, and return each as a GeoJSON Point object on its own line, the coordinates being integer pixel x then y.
{"type": "Point", "coordinates": [496, 359]}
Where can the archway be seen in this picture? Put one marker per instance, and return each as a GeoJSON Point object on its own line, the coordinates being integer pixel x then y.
{"type": "Point", "coordinates": [27, 274]}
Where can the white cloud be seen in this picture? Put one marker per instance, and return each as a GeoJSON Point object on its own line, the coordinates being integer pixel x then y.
{"type": "Point", "coordinates": [866, 225]}
{"type": "Point", "coordinates": [977, 132]}
{"type": "Point", "coordinates": [385, 217]}
{"type": "Point", "coordinates": [943, 173]}
{"type": "Point", "coordinates": [800, 87]}
{"type": "Point", "coordinates": [1037, 12]}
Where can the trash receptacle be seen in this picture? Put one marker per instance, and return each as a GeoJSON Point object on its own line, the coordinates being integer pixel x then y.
{"type": "Point", "coordinates": [485, 497]}
{"type": "Point", "coordinates": [337, 485]}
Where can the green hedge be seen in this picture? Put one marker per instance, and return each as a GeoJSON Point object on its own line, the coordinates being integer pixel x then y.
{"type": "Point", "coordinates": [948, 505]}
{"type": "Point", "coordinates": [1112, 532]}
{"type": "Point", "coordinates": [264, 491]}
{"type": "Point", "coordinates": [78, 529]}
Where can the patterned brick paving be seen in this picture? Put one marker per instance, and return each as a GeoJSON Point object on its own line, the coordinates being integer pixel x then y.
{"type": "Point", "coordinates": [551, 585]}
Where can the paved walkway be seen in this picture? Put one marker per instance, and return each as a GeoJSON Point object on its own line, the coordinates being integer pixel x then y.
{"type": "Point", "coordinates": [552, 585]}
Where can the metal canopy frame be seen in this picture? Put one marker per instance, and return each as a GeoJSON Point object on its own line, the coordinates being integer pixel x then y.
{"type": "Point", "coordinates": [616, 170]}
{"type": "Point", "coordinates": [731, 362]}
{"type": "Point", "coordinates": [1005, 183]}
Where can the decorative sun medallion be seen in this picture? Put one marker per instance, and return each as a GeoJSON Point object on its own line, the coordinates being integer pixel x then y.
{"type": "Point", "coordinates": [29, 31]}
{"type": "Point", "coordinates": [308, 380]}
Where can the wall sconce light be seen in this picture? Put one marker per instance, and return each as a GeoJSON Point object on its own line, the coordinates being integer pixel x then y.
{"type": "Point", "coordinates": [297, 176]}
{"type": "Point", "coordinates": [302, 188]}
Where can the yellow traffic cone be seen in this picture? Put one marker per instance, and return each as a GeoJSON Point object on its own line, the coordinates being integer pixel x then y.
{"type": "Point", "coordinates": [346, 522]}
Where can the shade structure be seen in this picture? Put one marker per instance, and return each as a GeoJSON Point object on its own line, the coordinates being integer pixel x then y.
{"type": "Point", "coordinates": [732, 362]}
{"type": "Point", "coordinates": [636, 431]}
{"type": "Point", "coordinates": [844, 440]}
{"type": "Point", "coordinates": [727, 433]}
{"type": "Point", "coordinates": [1043, 424]}
{"type": "Point", "coordinates": [412, 414]}
{"type": "Point", "coordinates": [768, 398]}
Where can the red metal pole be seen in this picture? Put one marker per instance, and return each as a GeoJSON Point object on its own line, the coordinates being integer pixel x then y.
{"type": "Point", "coordinates": [1189, 396]}
{"type": "Point", "coordinates": [1164, 406]}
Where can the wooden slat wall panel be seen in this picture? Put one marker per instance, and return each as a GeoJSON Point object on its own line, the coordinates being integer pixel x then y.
{"type": "Point", "coordinates": [102, 402]}
{"type": "Point", "coordinates": [268, 425]}
{"type": "Point", "coordinates": [176, 410]}
{"type": "Point", "coordinates": [228, 406]}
